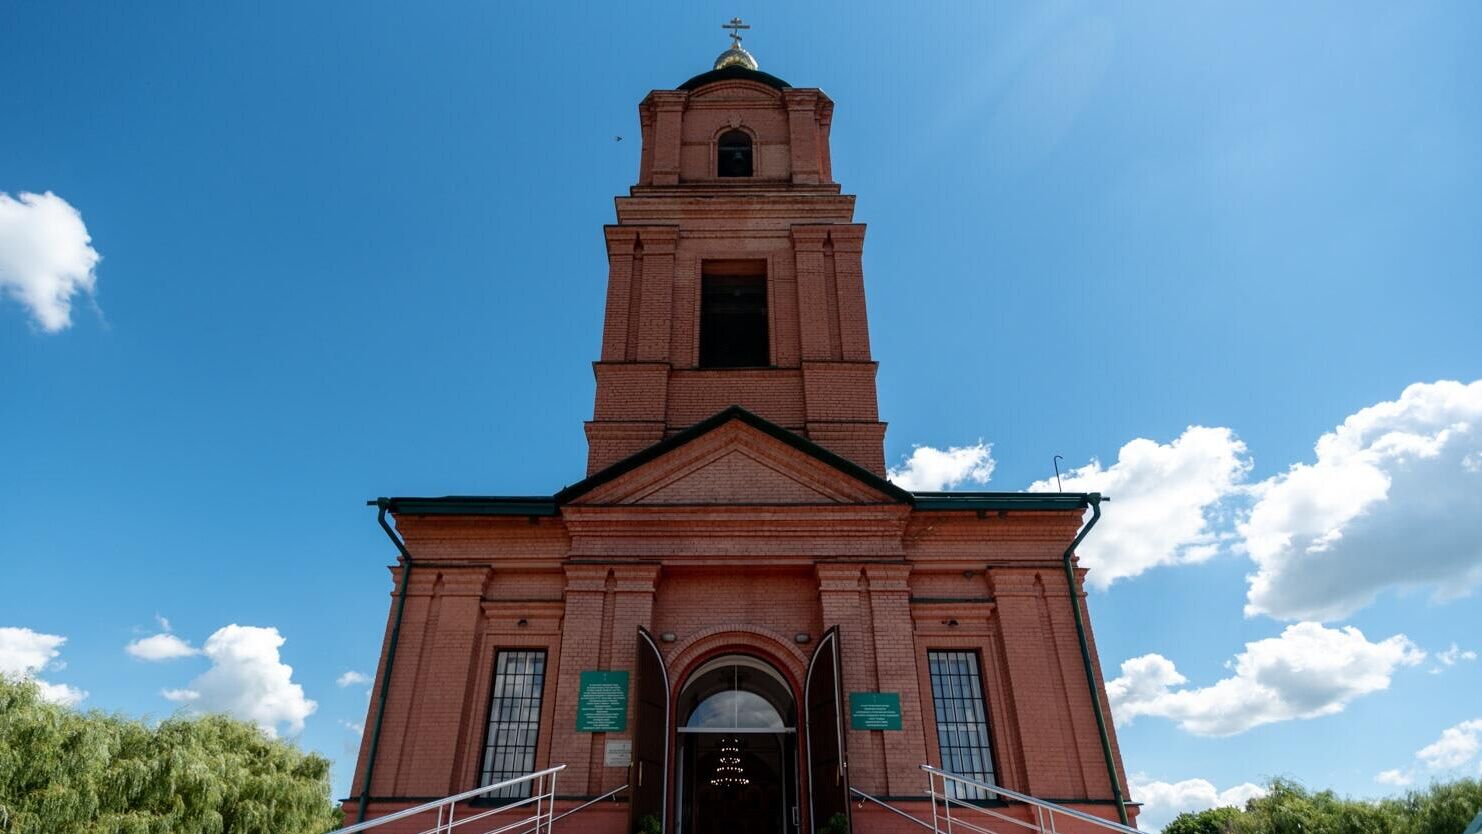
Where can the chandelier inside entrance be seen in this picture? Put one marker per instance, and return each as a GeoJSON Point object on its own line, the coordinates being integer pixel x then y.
{"type": "Point", "coordinates": [729, 773]}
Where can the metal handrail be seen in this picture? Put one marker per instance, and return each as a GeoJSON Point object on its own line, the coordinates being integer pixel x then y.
{"type": "Point", "coordinates": [570, 811]}
{"type": "Point", "coordinates": [1041, 806]}
{"type": "Point", "coordinates": [542, 794]}
{"type": "Point", "coordinates": [550, 824]}
{"type": "Point", "coordinates": [892, 809]}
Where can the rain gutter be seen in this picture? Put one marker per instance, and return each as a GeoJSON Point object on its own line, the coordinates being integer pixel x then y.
{"type": "Point", "coordinates": [1094, 500]}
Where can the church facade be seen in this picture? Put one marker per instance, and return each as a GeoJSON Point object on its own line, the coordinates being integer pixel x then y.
{"type": "Point", "coordinates": [734, 614]}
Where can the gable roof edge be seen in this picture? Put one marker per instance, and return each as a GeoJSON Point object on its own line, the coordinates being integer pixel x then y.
{"type": "Point", "coordinates": [715, 421]}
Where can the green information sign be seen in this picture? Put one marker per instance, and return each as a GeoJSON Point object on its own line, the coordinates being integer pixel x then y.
{"type": "Point", "coordinates": [602, 702]}
{"type": "Point", "coordinates": [874, 710]}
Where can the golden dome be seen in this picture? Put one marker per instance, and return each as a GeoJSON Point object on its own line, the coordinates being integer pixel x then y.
{"type": "Point", "coordinates": [735, 57]}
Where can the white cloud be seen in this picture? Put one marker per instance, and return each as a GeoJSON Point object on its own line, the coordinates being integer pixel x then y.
{"type": "Point", "coordinates": [1454, 655]}
{"type": "Point", "coordinates": [1162, 801]}
{"type": "Point", "coordinates": [1393, 777]}
{"type": "Point", "coordinates": [1165, 500]}
{"type": "Point", "coordinates": [249, 680]}
{"type": "Point", "coordinates": [46, 256]}
{"type": "Point", "coordinates": [1393, 500]}
{"type": "Point", "coordinates": [24, 652]}
{"type": "Point", "coordinates": [161, 647]}
{"type": "Point", "coordinates": [351, 746]}
{"type": "Point", "coordinates": [1307, 671]}
{"type": "Point", "coordinates": [61, 693]}
{"type": "Point", "coordinates": [929, 469]}
{"type": "Point", "coordinates": [352, 678]}
{"type": "Point", "coordinates": [1456, 747]}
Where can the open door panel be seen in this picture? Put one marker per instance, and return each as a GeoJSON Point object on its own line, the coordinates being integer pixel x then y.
{"type": "Point", "coordinates": [828, 765]}
{"type": "Point", "coordinates": [648, 775]}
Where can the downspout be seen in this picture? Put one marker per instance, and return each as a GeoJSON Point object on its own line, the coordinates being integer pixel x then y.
{"type": "Point", "coordinates": [405, 558]}
{"type": "Point", "coordinates": [1094, 500]}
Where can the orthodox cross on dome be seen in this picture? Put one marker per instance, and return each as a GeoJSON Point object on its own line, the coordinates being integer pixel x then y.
{"type": "Point", "coordinates": [735, 26]}
{"type": "Point", "coordinates": [735, 56]}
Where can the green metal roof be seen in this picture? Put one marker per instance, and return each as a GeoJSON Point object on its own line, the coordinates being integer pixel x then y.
{"type": "Point", "coordinates": [734, 72]}
{"type": "Point", "coordinates": [539, 505]}
{"type": "Point", "coordinates": [469, 505]}
{"type": "Point", "coordinates": [1005, 500]}
{"type": "Point", "coordinates": [476, 505]}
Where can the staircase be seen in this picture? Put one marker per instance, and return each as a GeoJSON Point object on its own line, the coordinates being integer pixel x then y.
{"type": "Point", "coordinates": [955, 809]}
{"type": "Point", "coordinates": [533, 811]}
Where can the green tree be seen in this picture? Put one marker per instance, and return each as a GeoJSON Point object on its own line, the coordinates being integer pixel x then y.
{"type": "Point", "coordinates": [1212, 821]}
{"type": "Point", "coordinates": [1289, 808]}
{"type": "Point", "coordinates": [1442, 808]}
{"type": "Point", "coordinates": [69, 772]}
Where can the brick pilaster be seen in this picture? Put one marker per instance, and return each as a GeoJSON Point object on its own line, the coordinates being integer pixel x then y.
{"type": "Point", "coordinates": [1045, 730]}
{"type": "Point", "coordinates": [581, 642]}
{"type": "Point", "coordinates": [632, 594]}
{"type": "Point", "coordinates": [845, 604]}
{"type": "Point", "coordinates": [895, 667]}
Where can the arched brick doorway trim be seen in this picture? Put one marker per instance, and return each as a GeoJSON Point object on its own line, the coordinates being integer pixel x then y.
{"type": "Point", "coordinates": [777, 649]}
{"type": "Point", "coordinates": [689, 656]}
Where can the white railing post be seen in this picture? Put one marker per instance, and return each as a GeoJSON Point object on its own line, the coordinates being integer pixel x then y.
{"type": "Point", "coordinates": [542, 784]}
{"type": "Point", "coordinates": [947, 799]}
{"type": "Point", "coordinates": [954, 787]}
{"type": "Point", "coordinates": [931, 795]}
{"type": "Point", "coordinates": [543, 807]}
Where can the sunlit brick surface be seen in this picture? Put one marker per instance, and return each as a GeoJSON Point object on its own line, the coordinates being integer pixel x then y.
{"type": "Point", "coordinates": [737, 541]}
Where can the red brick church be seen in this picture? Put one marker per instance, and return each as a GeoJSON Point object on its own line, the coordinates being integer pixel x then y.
{"type": "Point", "coordinates": [735, 615]}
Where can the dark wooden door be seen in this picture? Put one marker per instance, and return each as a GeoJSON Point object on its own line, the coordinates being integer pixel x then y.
{"type": "Point", "coordinates": [828, 764]}
{"type": "Point", "coordinates": [648, 776]}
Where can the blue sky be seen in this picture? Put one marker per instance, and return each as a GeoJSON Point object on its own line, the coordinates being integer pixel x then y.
{"type": "Point", "coordinates": [333, 239]}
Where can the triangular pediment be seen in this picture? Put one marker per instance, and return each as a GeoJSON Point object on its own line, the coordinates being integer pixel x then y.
{"type": "Point", "coordinates": [733, 459]}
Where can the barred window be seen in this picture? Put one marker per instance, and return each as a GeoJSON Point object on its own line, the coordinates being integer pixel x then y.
{"type": "Point", "coordinates": [962, 720]}
{"type": "Point", "coordinates": [514, 720]}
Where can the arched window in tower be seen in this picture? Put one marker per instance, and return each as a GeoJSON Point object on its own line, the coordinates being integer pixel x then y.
{"type": "Point", "coordinates": [733, 154]}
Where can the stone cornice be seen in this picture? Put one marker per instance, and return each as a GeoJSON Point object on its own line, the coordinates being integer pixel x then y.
{"type": "Point", "coordinates": [668, 533]}
{"type": "Point", "coordinates": [747, 213]}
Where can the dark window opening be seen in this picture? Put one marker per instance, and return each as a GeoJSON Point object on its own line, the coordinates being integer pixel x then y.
{"type": "Point", "coordinates": [514, 721]}
{"type": "Point", "coordinates": [733, 316]}
{"type": "Point", "coordinates": [733, 154]}
{"type": "Point", "coordinates": [962, 720]}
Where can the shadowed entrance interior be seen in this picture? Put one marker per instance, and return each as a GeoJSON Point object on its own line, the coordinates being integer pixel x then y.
{"type": "Point", "coordinates": [737, 753]}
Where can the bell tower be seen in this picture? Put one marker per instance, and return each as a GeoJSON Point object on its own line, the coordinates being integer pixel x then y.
{"type": "Point", "coordinates": [734, 273]}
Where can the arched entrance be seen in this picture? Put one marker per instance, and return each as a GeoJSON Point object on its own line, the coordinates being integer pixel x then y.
{"type": "Point", "coordinates": [737, 749]}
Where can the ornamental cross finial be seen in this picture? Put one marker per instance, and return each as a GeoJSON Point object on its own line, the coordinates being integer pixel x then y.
{"type": "Point", "coordinates": [735, 26]}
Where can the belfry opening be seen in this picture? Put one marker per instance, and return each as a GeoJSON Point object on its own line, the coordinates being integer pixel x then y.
{"type": "Point", "coordinates": [733, 621]}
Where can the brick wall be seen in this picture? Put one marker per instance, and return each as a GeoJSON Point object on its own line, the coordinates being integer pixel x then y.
{"type": "Point", "coordinates": [821, 382]}
{"type": "Point", "coordinates": [737, 542]}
